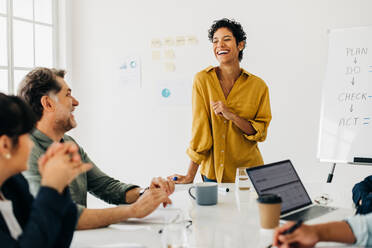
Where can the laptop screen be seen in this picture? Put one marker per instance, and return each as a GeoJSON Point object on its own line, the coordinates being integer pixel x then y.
{"type": "Point", "coordinates": [280, 178]}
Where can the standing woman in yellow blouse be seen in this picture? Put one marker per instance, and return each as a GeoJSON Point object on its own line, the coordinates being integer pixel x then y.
{"type": "Point", "coordinates": [231, 111]}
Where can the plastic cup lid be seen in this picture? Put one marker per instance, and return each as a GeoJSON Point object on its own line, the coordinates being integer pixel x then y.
{"type": "Point", "coordinates": [269, 199]}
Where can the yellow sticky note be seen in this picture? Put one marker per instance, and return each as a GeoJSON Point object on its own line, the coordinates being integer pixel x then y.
{"type": "Point", "coordinates": [169, 54]}
{"type": "Point", "coordinates": [156, 43]}
{"type": "Point", "coordinates": [180, 41]}
{"type": "Point", "coordinates": [169, 41]}
{"type": "Point", "coordinates": [192, 40]}
{"type": "Point", "coordinates": [156, 55]}
{"type": "Point", "coordinates": [169, 67]}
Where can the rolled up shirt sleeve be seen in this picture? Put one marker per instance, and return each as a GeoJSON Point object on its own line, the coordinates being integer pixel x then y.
{"type": "Point", "coordinates": [361, 225]}
{"type": "Point", "coordinates": [262, 119]}
{"type": "Point", "coordinates": [201, 141]}
{"type": "Point", "coordinates": [80, 209]}
{"type": "Point", "coordinates": [104, 187]}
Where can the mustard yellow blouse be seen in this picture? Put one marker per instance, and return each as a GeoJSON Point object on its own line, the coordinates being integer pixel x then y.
{"type": "Point", "coordinates": [218, 145]}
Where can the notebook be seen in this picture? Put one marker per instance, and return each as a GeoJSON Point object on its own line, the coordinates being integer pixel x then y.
{"type": "Point", "coordinates": [282, 179]}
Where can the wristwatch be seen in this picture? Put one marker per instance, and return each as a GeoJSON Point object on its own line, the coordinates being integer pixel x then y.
{"type": "Point", "coordinates": [142, 191]}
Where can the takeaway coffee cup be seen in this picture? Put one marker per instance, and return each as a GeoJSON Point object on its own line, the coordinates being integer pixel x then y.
{"type": "Point", "coordinates": [206, 193]}
{"type": "Point", "coordinates": [269, 206]}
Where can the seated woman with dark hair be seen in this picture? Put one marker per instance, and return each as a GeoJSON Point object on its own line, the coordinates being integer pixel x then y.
{"type": "Point", "coordinates": [48, 220]}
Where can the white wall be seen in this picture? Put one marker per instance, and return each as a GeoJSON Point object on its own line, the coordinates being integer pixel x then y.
{"type": "Point", "coordinates": [129, 136]}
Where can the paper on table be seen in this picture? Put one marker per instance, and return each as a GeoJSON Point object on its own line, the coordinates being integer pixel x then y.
{"type": "Point", "coordinates": [118, 245]}
{"type": "Point", "coordinates": [130, 226]}
{"type": "Point", "coordinates": [159, 216]}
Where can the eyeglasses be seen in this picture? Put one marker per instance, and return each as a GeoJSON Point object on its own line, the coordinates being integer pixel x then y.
{"type": "Point", "coordinates": [174, 233]}
{"type": "Point", "coordinates": [187, 226]}
{"type": "Point", "coordinates": [178, 220]}
{"type": "Point", "coordinates": [323, 199]}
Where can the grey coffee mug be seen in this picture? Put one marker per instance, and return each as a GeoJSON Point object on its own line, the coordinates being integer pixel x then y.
{"type": "Point", "coordinates": [206, 193]}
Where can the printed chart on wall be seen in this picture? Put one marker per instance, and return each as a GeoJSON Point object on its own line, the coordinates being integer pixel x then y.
{"type": "Point", "coordinates": [130, 72]}
{"type": "Point", "coordinates": [173, 56]}
{"type": "Point", "coordinates": [346, 115]}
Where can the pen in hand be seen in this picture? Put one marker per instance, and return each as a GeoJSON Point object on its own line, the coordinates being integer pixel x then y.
{"type": "Point", "coordinates": [290, 230]}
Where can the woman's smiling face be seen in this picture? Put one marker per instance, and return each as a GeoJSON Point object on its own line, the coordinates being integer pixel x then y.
{"type": "Point", "coordinates": [224, 46]}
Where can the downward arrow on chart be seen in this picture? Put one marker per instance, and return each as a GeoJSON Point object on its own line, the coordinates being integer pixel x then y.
{"type": "Point", "coordinates": [351, 108]}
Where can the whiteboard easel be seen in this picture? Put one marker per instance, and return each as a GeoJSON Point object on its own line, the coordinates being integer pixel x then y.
{"type": "Point", "coordinates": [345, 131]}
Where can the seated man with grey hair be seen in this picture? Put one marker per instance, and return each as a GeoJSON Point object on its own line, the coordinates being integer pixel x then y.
{"type": "Point", "coordinates": [49, 96]}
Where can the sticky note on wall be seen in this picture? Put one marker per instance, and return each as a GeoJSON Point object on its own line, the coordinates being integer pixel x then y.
{"type": "Point", "coordinates": [156, 43]}
{"type": "Point", "coordinates": [169, 54]}
{"type": "Point", "coordinates": [192, 40]}
{"type": "Point", "coordinates": [156, 55]}
{"type": "Point", "coordinates": [180, 41]}
{"type": "Point", "coordinates": [169, 41]}
{"type": "Point", "coordinates": [169, 67]}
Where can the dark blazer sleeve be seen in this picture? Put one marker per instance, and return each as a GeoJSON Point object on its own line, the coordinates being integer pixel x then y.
{"type": "Point", "coordinates": [50, 222]}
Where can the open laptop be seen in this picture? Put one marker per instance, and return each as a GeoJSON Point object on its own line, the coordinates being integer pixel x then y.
{"type": "Point", "coordinates": [281, 178]}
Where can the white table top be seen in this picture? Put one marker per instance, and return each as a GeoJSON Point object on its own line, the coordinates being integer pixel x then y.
{"type": "Point", "coordinates": [233, 222]}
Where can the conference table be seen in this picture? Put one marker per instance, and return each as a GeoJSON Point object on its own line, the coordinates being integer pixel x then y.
{"type": "Point", "coordinates": [233, 222]}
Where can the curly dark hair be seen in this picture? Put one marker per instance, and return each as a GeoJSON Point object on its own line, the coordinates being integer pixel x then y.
{"type": "Point", "coordinates": [38, 83]}
{"type": "Point", "coordinates": [16, 117]}
{"type": "Point", "coordinates": [235, 28]}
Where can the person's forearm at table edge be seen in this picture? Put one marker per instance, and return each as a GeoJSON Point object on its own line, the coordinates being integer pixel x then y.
{"type": "Point", "coordinates": [96, 218]}
{"type": "Point", "coordinates": [339, 231]}
{"type": "Point", "coordinates": [192, 170]}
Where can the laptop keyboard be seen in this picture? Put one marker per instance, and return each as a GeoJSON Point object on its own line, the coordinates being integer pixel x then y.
{"type": "Point", "coordinates": [309, 213]}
